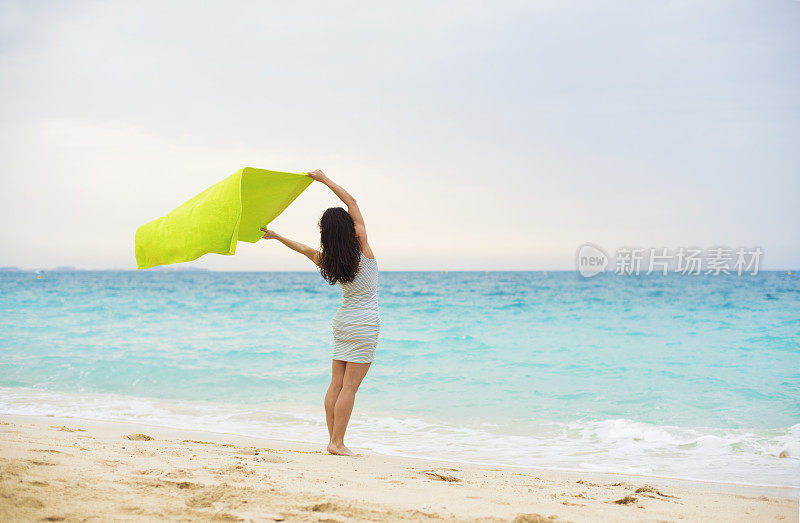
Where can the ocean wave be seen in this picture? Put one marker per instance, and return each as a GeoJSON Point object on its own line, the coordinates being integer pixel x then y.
{"type": "Point", "coordinates": [761, 457]}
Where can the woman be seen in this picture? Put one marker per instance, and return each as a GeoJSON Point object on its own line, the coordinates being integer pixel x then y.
{"type": "Point", "coordinates": [345, 258]}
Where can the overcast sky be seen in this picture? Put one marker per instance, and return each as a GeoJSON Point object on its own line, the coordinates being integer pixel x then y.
{"type": "Point", "coordinates": [475, 135]}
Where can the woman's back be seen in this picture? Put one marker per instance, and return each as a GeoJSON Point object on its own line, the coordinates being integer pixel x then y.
{"type": "Point", "coordinates": [360, 296]}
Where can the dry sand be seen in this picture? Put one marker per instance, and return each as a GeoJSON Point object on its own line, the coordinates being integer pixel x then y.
{"type": "Point", "coordinates": [74, 470]}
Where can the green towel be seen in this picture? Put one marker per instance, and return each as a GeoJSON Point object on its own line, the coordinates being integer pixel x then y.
{"type": "Point", "coordinates": [234, 209]}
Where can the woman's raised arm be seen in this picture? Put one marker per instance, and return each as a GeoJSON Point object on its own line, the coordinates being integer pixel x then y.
{"type": "Point", "coordinates": [352, 208]}
{"type": "Point", "coordinates": [302, 248]}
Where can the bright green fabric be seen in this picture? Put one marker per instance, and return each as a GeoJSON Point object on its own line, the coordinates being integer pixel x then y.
{"type": "Point", "coordinates": [234, 209]}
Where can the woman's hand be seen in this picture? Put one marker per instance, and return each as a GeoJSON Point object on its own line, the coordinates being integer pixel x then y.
{"type": "Point", "coordinates": [269, 235]}
{"type": "Point", "coordinates": [317, 175]}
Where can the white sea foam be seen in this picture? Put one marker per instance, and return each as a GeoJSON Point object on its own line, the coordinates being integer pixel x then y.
{"type": "Point", "coordinates": [753, 457]}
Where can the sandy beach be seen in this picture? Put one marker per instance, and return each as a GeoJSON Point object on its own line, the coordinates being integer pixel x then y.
{"type": "Point", "coordinates": [55, 469]}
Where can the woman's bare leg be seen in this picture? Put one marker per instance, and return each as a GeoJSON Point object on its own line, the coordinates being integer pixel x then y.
{"type": "Point", "coordinates": [353, 375]}
{"type": "Point", "coordinates": [337, 377]}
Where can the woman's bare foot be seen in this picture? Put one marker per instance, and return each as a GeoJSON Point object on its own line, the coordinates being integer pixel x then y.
{"type": "Point", "coordinates": [340, 450]}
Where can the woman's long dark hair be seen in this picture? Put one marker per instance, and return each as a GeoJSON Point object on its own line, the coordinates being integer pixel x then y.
{"type": "Point", "coordinates": [339, 252]}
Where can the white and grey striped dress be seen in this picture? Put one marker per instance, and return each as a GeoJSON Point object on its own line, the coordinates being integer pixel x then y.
{"type": "Point", "coordinates": [357, 322]}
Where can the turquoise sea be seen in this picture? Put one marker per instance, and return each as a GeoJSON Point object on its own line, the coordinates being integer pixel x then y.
{"type": "Point", "coordinates": [681, 376]}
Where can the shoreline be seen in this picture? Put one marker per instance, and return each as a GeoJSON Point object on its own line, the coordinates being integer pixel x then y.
{"type": "Point", "coordinates": [738, 487]}
{"type": "Point", "coordinates": [246, 477]}
{"type": "Point", "coordinates": [608, 446]}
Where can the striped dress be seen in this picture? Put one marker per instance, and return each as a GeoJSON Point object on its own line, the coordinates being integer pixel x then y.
{"type": "Point", "coordinates": [357, 323]}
